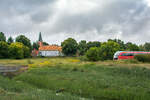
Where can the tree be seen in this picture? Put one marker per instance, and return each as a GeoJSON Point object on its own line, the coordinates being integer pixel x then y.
{"type": "Point", "coordinates": [45, 43]}
{"type": "Point", "coordinates": [132, 47]}
{"type": "Point", "coordinates": [69, 47]}
{"type": "Point", "coordinates": [120, 42]}
{"type": "Point", "coordinates": [107, 50]}
{"type": "Point", "coordinates": [3, 49]}
{"type": "Point", "coordinates": [93, 44]}
{"type": "Point", "coordinates": [82, 47]}
{"type": "Point", "coordinates": [93, 54]}
{"type": "Point", "coordinates": [24, 40]}
{"type": "Point", "coordinates": [147, 46]}
{"type": "Point", "coordinates": [35, 45]}
{"type": "Point", "coordinates": [10, 40]}
{"type": "Point", "coordinates": [16, 50]}
{"type": "Point", "coordinates": [2, 37]}
{"type": "Point", "coordinates": [26, 52]}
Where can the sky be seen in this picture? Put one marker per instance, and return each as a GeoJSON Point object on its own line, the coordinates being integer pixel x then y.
{"type": "Point", "coordinates": [91, 20]}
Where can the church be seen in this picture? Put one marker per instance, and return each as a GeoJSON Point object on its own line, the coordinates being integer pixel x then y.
{"type": "Point", "coordinates": [48, 50]}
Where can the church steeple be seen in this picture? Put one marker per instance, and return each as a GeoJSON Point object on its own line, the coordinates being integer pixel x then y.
{"type": "Point", "coordinates": [40, 37]}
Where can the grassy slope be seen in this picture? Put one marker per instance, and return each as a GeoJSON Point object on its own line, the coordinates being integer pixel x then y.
{"type": "Point", "coordinates": [100, 80]}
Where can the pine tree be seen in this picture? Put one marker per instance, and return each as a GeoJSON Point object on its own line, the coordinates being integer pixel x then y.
{"type": "Point", "coordinates": [2, 37]}
{"type": "Point", "coordinates": [40, 37]}
{"type": "Point", "coordinates": [10, 40]}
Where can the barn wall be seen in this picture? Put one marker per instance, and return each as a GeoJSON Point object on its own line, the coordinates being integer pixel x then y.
{"type": "Point", "coordinates": [49, 53]}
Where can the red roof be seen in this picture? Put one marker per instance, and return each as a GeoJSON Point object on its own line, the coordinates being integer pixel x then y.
{"type": "Point", "coordinates": [50, 48]}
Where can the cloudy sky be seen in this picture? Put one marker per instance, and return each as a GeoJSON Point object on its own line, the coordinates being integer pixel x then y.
{"type": "Point", "coordinates": [91, 20]}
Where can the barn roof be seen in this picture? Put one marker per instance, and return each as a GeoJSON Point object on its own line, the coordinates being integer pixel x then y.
{"type": "Point", "coordinates": [50, 48]}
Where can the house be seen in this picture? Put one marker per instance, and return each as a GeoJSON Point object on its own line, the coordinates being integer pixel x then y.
{"type": "Point", "coordinates": [50, 50]}
{"type": "Point", "coordinates": [47, 50]}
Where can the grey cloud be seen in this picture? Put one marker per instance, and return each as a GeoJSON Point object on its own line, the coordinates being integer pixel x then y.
{"type": "Point", "coordinates": [128, 17]}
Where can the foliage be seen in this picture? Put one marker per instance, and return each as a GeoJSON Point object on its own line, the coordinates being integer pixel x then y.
{"type": "Point", "coordinates": [10, 40]}
{"type": "Point", "coordinates": [45, 43]}
{"type": "Point", "coordinates": [107, 50]}
{"type": "Point", "coordinates": [18, 51]}
{"type": "Point", "coordinates": [143, 58]}
{"type": "Point", "coordinates": [93, 44]}
{"type": "Point", "coordinates": [2, 37]}
{"type": "Point", "coordinates": [4, 49]}
{"type": "Point", "coordinates": [69, 47]}
{"type": "Point", "coordinates": [83, 58]}
{"type": "Point", "coordinates": [147, 46]}
{"type": "Point", "coordinates": [24, 40]}
{"type": "Point", "coordinates": [120, 42]}
{"type": "Point", "coordinates": [82, 47]}
{"type": "Point", "coordinates": [92, 54]}
{"type": "Point", "coordinates": [35, 45]}
{"type": "Point", "coordinates": [26, 51]}
{"type": "Point", "coordinates": [132, 47]}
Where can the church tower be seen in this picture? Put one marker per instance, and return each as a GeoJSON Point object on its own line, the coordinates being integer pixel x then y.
{"type": "Point", "coordinates": [40, 37]}
{"type": "Point", "coordinates": [40, 40]}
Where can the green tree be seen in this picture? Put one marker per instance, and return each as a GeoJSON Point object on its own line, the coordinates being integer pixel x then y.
{"type": "Point", "coordinates": [16, 50]}
{"type": "Point", "coordinates": [93, 54]}
{"type": "Point", "coordinates": [93, 44]}
{"type": "Point", "coordinates": [2, 37]}
{"type": "Point", "coordinates": [35, 45]}
{"type": "Point", "coordinates": [26, 52]}
{"type": "Point", "coordinates": [82, 47]}
{"type": "Point", "coordinates": [24, 40]}
{"type": "Point", "coordinates": [10, 40]}
{"type": "Point", "coordinates": [69, 47]}
{"type": "Point", "coordinates": [132, 47]}
{"type": "Point", "coordinates": [4, 49]}
{"type": "Point", "coordinates": [107, 50]}
{"type": "Point", "coordinates": [120, 42]}
{"type": "Point", "coordinates": [147, 46]}
{"type": "Point", "coordinates": [45, 43]}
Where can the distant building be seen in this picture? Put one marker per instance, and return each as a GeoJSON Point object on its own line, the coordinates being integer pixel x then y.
{"type": "Point", "coordinates": [48, 50]}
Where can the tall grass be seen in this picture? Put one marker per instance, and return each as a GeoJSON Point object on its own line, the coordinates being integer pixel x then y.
{"type": "Point", "coordinates": [93, 81]}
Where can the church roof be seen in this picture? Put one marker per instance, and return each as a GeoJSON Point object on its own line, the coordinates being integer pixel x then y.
{"type": "Point", "coordinates": [50, 48]}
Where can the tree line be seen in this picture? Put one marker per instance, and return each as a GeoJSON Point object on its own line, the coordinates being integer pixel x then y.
{"type": "Point", "coordinates": [21, 47]}
{"type": "Point", "coordinates": [97, 50]}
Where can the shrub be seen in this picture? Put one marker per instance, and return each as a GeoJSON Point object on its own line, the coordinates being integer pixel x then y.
{"type": "Point", "coordinates": [93, 54]}
{"type": "Point", "coordinates": [16, 50]}
{"type": "Point", "coordinates": [26, 52]}
{"type": "Point", "coordinates": [83, 58]}
{"type": "Point", "coordinates": [107, 50]}
{"type": "Point", "coordinates": [3, 49]}
{"type": "Point", "coordinates": [143, 58]}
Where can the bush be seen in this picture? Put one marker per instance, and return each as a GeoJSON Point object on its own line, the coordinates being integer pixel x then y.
{"type": "Point", "coordinates": [107, 50]}
{"type": "Point", "coordinates": [93, 54]}
{"type": "Point", "coordinates": [83, 58]}
{"type": "Point", "coordinates": [3, 49]}
{"type": "Point", "coordinates": [143, 58]}
{"type": "Point", "coordinates": [16, 50]}
{"type": "Point", "coordinates": [26, 52]}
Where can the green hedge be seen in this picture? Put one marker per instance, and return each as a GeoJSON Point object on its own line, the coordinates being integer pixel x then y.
{"type": "Point", "coordinates": [143, 58]}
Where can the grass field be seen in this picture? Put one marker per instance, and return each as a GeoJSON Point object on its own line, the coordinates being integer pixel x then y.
{"type": "Point", "coordinates": [79, 80]}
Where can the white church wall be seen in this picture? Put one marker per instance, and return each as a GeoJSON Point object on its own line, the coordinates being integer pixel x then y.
{"type": "Point", "coordinates": [49, 53]}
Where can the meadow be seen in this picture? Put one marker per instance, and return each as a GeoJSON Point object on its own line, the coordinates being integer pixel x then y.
{"type": "Point", "coordinates": [73, 79]}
